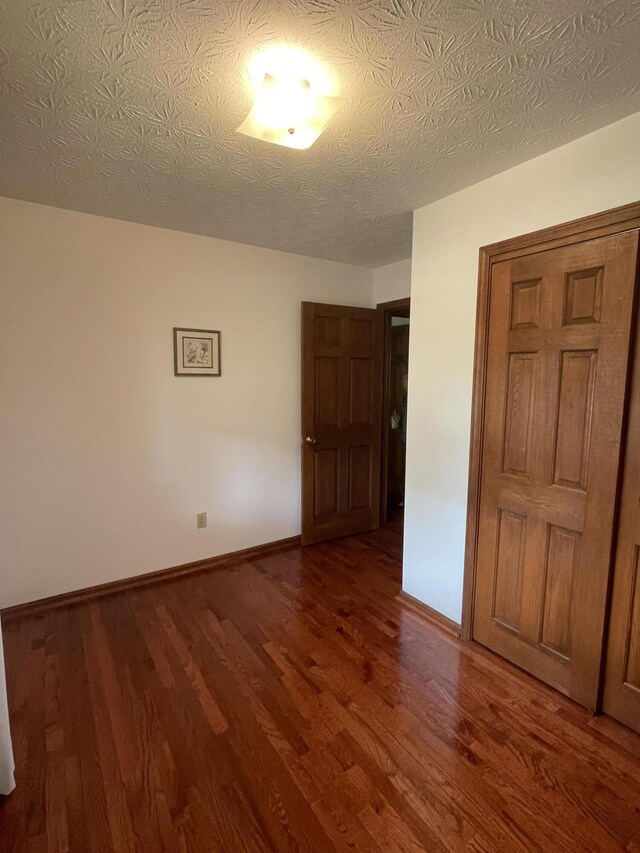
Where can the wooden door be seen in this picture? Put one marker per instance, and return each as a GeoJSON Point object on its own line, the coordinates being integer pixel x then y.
{"type": "Point", "coordinates": [558, 344]}
{"type": "Point", "coordinates": [341, 420]}
{"type": "Point", "coordinates": [621, 697]}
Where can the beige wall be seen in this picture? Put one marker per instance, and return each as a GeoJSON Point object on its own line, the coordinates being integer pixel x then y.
{"type": "Point", "coordinates": [106, 457]}
{"type": "Point", "coordinates": [392, 281]}
{"type": "Point", "coordinates": [594, 173]}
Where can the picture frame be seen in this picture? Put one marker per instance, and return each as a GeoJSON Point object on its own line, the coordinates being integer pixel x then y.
{"type": "Point", "coordinates": [196, 352]}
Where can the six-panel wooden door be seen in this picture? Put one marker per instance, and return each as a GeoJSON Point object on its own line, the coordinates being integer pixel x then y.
{"type": "Point", "coordinates": [558, 348]}
{"type": "Point", "coordinates": [341, 420]}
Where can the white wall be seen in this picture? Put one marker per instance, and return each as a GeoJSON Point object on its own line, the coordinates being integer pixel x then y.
{"type": "Point", "coordinates": [105, 456]}
{"type": "Point", "coordinates": [592, 174]}
{"type": "Point", "coordinates": [392, 281]}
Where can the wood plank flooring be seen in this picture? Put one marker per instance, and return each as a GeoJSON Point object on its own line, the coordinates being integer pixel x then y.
{"type": "Point", "coordinates": [292, 704]}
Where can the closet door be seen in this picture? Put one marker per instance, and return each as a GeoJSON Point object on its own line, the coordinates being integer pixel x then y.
{"type": "Point", "coordinates": [622, 678]}
{"type": "Point", "coordinates": [559, 332]}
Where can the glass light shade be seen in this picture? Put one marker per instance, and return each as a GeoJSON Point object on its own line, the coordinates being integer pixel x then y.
{"type": "Point", "coordinates": [286, 111]}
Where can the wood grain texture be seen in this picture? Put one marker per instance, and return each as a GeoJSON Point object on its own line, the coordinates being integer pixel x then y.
{"type": "Point", "coordinates": [341, 428]}
{"type": "Point", "coordinates": [291, 702]}
{"type": "Point", "coordinates": [551, 454]}
{"type": "Point", "coordinates": [613, 221]}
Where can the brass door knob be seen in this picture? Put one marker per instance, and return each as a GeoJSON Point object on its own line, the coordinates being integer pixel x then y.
{"type": "Point", "coordinates": [310, 439]}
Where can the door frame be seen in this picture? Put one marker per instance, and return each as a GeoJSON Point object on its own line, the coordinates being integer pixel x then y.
{"type": "Point", "coordinates": [614, 221]}
{"type": "Point", "coordinates": [384, 310]}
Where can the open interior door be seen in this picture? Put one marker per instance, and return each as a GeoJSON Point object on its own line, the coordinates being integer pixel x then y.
{"type": "Point", "coordinates": [341, 426]}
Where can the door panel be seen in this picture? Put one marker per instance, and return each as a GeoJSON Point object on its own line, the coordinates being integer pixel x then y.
{"type": "Point", "coordinates": [361, 391]}
{"type": "Point", "coordinates": [327, 377]}
{"type": "Point", "coordinates": [575, 411]}
{"type": "Point", "coordinates": [559, 333]}
{"type": "Point", "coordinates": [562, 556]}
{"type": "Point", "coordinates": [510, 551]}
{"type": "Point", "coordinates": [325, 480]}
{"type": "Point", "coordinates": [341, 417]}
{"type": "Point", "coordinates": [521, 402]}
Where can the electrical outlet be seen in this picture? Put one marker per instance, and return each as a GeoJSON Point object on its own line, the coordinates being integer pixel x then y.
{"type": "Point", "coordinates": [201, 519]}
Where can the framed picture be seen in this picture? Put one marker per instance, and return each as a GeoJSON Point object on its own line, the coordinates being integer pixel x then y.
{"type": "Point", "coordinates": [196, 352]}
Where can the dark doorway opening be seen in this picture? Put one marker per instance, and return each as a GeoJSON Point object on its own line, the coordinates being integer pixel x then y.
{"type": "Point", "coordinates": [396, 323]}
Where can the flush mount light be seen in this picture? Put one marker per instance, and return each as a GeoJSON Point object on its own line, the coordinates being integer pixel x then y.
{"type": "Point", "coordinates": [289, 106]}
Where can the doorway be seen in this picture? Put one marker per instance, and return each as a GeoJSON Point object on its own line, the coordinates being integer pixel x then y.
{"type": "Point", "coordinates": [395, 319]}
{"type": "Point", "coordinates": [354, 376]}
{"type": "Point", "coordinates": [341, 416]}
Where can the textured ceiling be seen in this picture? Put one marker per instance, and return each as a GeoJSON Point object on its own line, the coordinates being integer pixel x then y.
{"type": "Point", "coordinates": [128, 108]}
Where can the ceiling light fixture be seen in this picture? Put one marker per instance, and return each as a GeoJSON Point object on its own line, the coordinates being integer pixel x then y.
{"type": "Point", "coordinates": [291, 104]}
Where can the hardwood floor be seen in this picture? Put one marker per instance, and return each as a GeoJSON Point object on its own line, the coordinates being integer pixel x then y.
{"type": "Point", "coordinates": [388, 539]}
{"type": "Point", "coordinates": [292, 703]}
